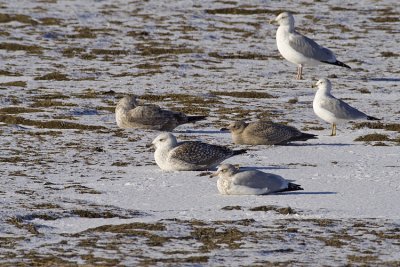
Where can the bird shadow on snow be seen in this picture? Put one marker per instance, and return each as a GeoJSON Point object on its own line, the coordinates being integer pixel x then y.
{"type": "Point", "coordinates": [307, 193]}
{"type": "Point", "coordinates": [200, 131]}
{"type": "Point", "coordinates": [251, 168]}
{"type": "Point", "coordinates": [322, 144]}
{"type": "Point", "coordinates": [384, 79]}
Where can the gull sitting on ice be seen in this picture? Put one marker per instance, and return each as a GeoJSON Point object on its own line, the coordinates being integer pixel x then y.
{"type": "Point", "coordinates": [265, 132]}
{"type": "Point", "coordinates": [232, 181]}
{"type": "Point", "coordinates": [171, 155]}
{"type": "Point", "coordinates": [131, 115]}
{"type": "Point", "coordinates": [334, 110]}
{"type": "Point", "coordinates": [300, 49]}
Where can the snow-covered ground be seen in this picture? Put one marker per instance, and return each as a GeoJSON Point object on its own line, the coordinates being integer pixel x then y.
{"type": "Point", "coordinates": [75, 189]}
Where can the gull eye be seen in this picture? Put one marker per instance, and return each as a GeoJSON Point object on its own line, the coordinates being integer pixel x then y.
{"type": "Point", "coordinates": [161, 140]}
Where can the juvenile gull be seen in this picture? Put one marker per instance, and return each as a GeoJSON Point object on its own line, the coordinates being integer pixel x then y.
{"type": "Point", "coordinates": [265, 133]}
{"type": "Point", "coordinates": [171, 155]}
{"type": "Point", "coordinates": [300, 49]}
{"type": "Point", "coordinates": [232, 181]}
{"type": "Point", "coordinates": [334, 110]}
{"type": "Point", "coordinates": [129, 114]}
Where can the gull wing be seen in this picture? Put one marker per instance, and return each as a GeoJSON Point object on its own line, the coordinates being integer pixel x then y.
{"type": "Point", "coordinates": [153, 115]}
{"type": "Point", "coordinates": [310, 48]}
{"type": "Point", "coordinates": [272, 131]}
{"type": "Point", "coordinates": [341, 109]}
{"type": "Point", "coordinates": [199, 153]}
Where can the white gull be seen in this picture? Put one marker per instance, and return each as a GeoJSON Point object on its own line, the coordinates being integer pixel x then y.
{"type": "Point", "coordinates": [300, 49]}
{"type": "Point", "coordinates": [232, 181]}
{"type": "Point", "coordinates": [333, 110]}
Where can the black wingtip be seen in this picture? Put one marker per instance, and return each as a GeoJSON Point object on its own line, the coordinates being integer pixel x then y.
{"type": "Point", "coordinates": [341, 64]}
{"type": "Point", "coordinates": [196, 118]}
{"type": "Point", "coordinates": [370, 118]}
{"type": "Point", "coordinates": [338, 63]}
{"type": "Point", "coordinates": [294, 187]}
{"type": "Point", "coordinates": [303, 137]}
{"type": "Point", "coordinates": [239, 151]}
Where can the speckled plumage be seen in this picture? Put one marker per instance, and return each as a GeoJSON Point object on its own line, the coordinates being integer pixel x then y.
{"type": "Point", "coordinates": [129, 114]}
{"type": "Point", "coordinates": [172, 155]}
{"type": "Point", "coordinates": [265, 133]}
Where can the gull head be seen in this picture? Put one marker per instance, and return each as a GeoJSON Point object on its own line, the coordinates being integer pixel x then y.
{"type": "Point", "coordinates": [129, 102]}
{"type": "Point", "coordinates": [225, 170]}
{"type": "Point", "coordinates": [237, 126]}
{"type": "Point", "coordinates": [285, 19]}
{"type": "Point", "coordinates": [163, 140]}
{"type": "Point", "coordinates": [324, 84]}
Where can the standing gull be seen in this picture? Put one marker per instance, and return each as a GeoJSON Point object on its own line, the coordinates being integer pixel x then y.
{"type": "Point", "coordinates": [131, 115]}
{"type": "Point", "coordinates": [300, 49]}
{"type": "Point", "coordinates": [171, 155]}
{"type": "Point", "coordinates": [265, 133]}
{"type": "Point", "coordinates": [334, 110]}
{"type": "Point", "coordinates": [232, 181]}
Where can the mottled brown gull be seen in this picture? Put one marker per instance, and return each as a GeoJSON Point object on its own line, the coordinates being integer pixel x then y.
{"type": "Point", "coordinates": [333, 110]}
{"type": "Point", "coordinates": [129, 114]}
{"type": "Point", "coordinates": [232, 181]}
{"type": "Point", "coordinates": [299, 49]}
{"type": "Point", "coordinates": [171, 155]}
{"type": "Point", "coordinates": [264, 132]}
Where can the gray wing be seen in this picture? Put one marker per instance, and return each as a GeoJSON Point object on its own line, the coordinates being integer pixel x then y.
{"type": "Point", "coordinates": [200, 153]}
{"type": "Point", "coordinates": [310, 48]}
{"type": "Point", "coordinates": [341, 109]}
{"type": "Point", "coordinates": [154, 115]}
{"type": "Point", "coordinates": [259, 179]}
{"type": "Point", "coordinates": [272, 131]}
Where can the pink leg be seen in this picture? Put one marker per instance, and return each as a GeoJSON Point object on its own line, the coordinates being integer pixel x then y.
{"type": "Point", "coordinates": [299, 72]}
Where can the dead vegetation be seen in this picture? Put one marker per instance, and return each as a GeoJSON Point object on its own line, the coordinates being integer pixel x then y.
{"type": "Point", "coordinates": [33, 49]}
{"type": "Point", "coordinates": [51, 124]}
{"type": "Point", "coordinates": [243, 94]}
{"type": "Point", "coordinates": [373, 137]}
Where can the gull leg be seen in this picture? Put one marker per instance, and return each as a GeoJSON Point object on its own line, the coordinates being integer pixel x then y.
{"type": "Point", "coordinates": [333, 129]}
{"type": "Point", "coordinates": [299, 72]}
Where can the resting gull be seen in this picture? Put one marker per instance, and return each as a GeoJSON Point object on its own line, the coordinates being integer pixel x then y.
{"type": "Point", "coordinates": [131, 115]}
{"type": "Point", "coordinates": [171, 155]}
{"type": "Point", "coordinates": [265, 132]}
{"type": "Point", "coordinates": [300, 49]}
{"type": "Point", "coordinates": [334, 110]}
{"type": "Point", "coordinates": [232, 181]}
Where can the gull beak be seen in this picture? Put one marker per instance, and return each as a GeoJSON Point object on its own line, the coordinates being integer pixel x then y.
{"type": "Point", "coordinates": [227, 128]}
{"type": "Point", "coordinates": [272, 21]}
{"type": "Point", "coordinates": [150, 146]}
{"type": "Point", "coordinates": [314, 85]}
{"type": "Point", "coordinates": [215, 174]}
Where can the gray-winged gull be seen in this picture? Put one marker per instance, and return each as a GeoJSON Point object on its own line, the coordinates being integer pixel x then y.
{"type": "Point", "coordinates": [232, 181]}
{"type": "Point", "coordinates": [129, 114]}
{"type": "Point", "coordinates": [333, 110]}
{"type": "Point", "coordinates": [171, 155]}
{"type": "Point", "coordinates": [300, 49]}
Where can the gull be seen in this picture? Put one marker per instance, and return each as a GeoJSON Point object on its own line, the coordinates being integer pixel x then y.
{"type": "Point", "coordinates": [171, 155]}
{"type": "Point", "coordinates": [129, 114]}
{"type": "Point", "coordinates": [333, 110]}
{"type": "Point", "coordinates": [300, 49]}
{"type": "Point", "coordinates": [232, 181]}
{"type": "Point", "coordinates": [265, 132]}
